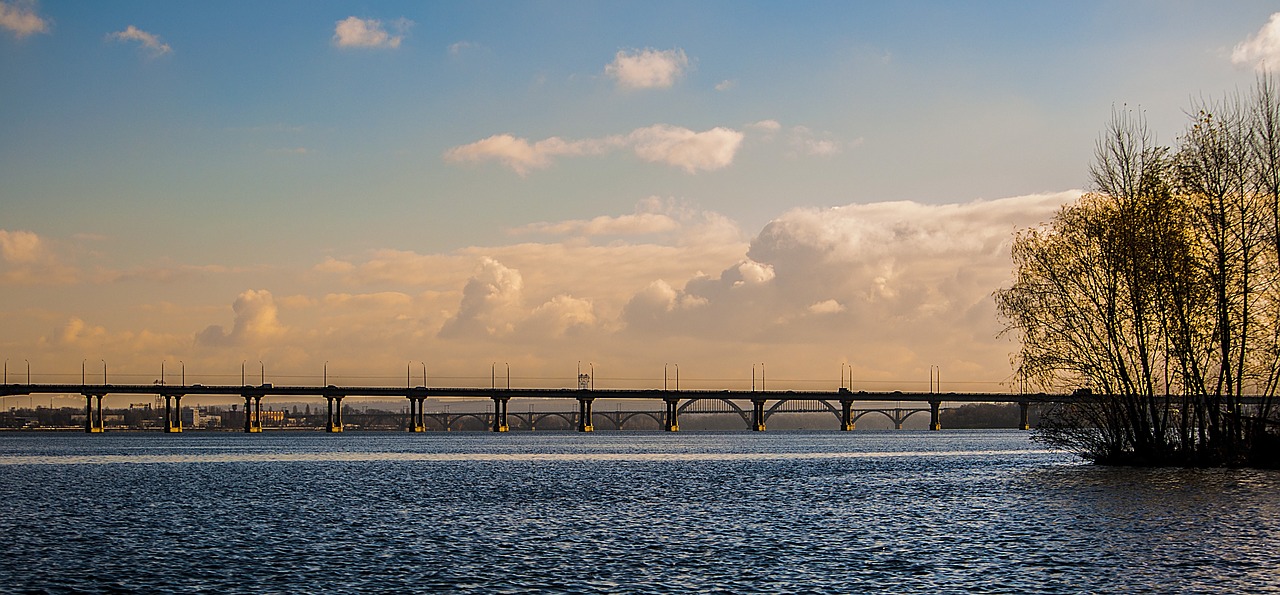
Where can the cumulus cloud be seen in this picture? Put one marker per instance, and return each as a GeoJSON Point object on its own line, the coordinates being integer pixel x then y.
{"type": "Point", "coordinates": [1261, 49]}
{"type": "Point", "coordinates": [647, 68]}
{"type": "Point", "coordinates": [490, 302]}
{"type": "Point", "coordinates": [26, 259]}
{"type": "Point", "coordinates": [148, 41]}
{"type": "Point", "coordinates": [20, 247]}
{"type": "Point", "coordinates": [256, 320]}
{"type": "Point", "coordinates": [355, 32]}
{"type": "Point", "coordinates": [688, 150]}
{"type": "Point", "coordinates": [912, 279]}
{"type": "Point", "coordinates": [661, 143]}
{"type": "Point", "coordinates": [726, 85]}
{"type": "Point", "coordinates": [20, 19]}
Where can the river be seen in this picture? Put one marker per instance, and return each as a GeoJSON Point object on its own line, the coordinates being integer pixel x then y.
{"type": "Point", "coordinates": [619, 512]}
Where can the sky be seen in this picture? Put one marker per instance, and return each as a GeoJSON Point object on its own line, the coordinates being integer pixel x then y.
{"type": "Point", "coordinates": [807, 191]}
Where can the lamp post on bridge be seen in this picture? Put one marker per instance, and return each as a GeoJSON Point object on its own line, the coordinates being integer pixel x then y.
{"type": "Point", "coordinates": [82, 362]}
{"type": "Point", "coordinates": [104, 372]}
{"type": "Point", "coordinates": [424, 374]}
{"type": "Point", "coordinates": [262, 370]}
{"type": "Point", "coordinates": [184, 372]}
{"type": "Point", "coordinates": [28, 371]}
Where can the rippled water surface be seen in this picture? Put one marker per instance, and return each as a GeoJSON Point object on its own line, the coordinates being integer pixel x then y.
{"type": "Point", "coordinates": [801, 512]}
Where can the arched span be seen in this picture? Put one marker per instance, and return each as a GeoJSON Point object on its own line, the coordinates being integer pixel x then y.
{"type": "Point", "coordinates": [832, 409]}
{"type": "Point", "coordinates": [483, 418]}
{"type": "Point", "coordinates": [570, 419]}
{"type": "Point", "coordinates": [746, 417]}
{"type": "Point", "coordinates": [861, 414]}
{"type": "Point", "coordinates": [656, 417]}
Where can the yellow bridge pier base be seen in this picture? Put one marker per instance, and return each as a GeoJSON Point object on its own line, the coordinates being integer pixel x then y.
{"type": "Point", "coordinates": [935, 415]}
{"type": "Point", "coordinates": [333, 423]}
{"type": "Point", "coordinates": [93, 421]}
{"type": "Point", "coordinates": [1023, 408]}
{"type": "Point", "coordinates": [757, 415]}
{"type": "Point", "coordinates": [584, 414]}
{"type": "Point", "coordinates": [669, 421]}
{"type": "Point", "coordinates": [846, 415]}
{"type": "Point", "coordinates": [500, 414]}
{"type": "Point", "coordinates": [417, 415]}
{"type": "Point", "coordinates": [173, 414]}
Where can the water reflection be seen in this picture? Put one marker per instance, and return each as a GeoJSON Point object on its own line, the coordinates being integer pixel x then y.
{"type": "Point", "coordinates": [779, 512]}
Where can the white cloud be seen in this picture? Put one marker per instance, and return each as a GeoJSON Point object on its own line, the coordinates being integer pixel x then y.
{"type": "Point", "coordinates": [20, 247]}
{"type": "Point", "coordinates": [1261, 49]}
{"type": "Point", "coordinates": [26, 259]}
{"type": "Point", "coordinates": [354, 32]}
{"type": "Point", "coordinates": [661, 143]}
{"type": "Point", "coordinates": [520, 155]}
{"type": "Point", "coordinates": [647, 68]}
{"type": "Point", "coordinates": [691, 151]}
{"type": "Point", "coordinates": [149, 41]}
{"type": "Point", "coordinates": [726, 85]}
{"type": "Point", "coordinates": [256, 320]}
{"type": "Point", "coordinates": [20, 19]}
{"type": "Point", "coordinates": [826, 307]}
{"type": "Point", "coordinates": [490, 302]}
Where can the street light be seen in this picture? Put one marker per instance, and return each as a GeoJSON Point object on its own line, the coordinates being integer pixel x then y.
{"type": "Point", "coordinates": [81, 371]}
{"type": "Point", "coordinates": [161, 372]}
{"type": "Point", "coordinates": [262, 370]}
{"type": "Point", "coordinates": [326, 373]}
{"type": "Point", "coordinates": [104, 372]}
{"type": "Point", "coordinates": [184, 373]}
{"type": "Point", "coordinates": [593, 375]}
{"type": "Point", "coordinates": [424, 374]}
{"type": "Point", "coordinates": [28, 371]}
{"type": "Point", "coordinates": [508, 375]}
{"type": "Point", "coordinates": [242, 382]}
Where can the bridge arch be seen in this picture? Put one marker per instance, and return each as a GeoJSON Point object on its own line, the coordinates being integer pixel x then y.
{"type": "Point", "coordinates": [483, 418]}
{"type": "Point", "coordinates": [746, 417]}
{"type": "Point", "coordinates": [570, 418]}
{"type": "Point", "coordinates": [778, 406]}
{"type": "Point", "coordinates": [657, 419]}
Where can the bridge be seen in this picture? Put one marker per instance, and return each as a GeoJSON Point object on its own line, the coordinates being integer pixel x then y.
{"type": "Point", "coordinates": [763, 403]}
{"type": "Point", "coordinates": [619, 418]}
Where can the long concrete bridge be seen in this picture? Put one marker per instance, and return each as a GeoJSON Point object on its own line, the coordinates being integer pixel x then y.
{"type": "Point", "coordinates": [839, 402]}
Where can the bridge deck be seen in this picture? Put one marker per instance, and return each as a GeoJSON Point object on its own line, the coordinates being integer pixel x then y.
{"type": "Point", "coordinates": [267, 390]}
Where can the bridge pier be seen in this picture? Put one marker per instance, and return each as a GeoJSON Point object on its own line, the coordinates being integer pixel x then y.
{"type": "Point", "coordinates": [500, 415]}
{"type": "Point", "coordinates": [584, 414]}
{"type": "Point", "coordinates": [252, 414]}
{"type": "Point", "coordinates": [757, 415]}
{"type": "Point", "coordinates": [669, 420]}
{"type": "Point", "coordinates": [173, 414]}
{"type": "Point", "coordinates": [1023, 408]}
{"type": "Point", "coordinates": [93, 424]}
{"type": "Point", "coordinates": [417, 420]}
{"type": "Point", "coordinates": [846, 415]}
{"type": "Point", "coordinates": [333, 422]}
{"type": "Point", "coordinates": [935, 415]}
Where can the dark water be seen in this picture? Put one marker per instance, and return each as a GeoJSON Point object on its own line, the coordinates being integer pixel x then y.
{"type": "Point", "coordinates": [795, 512]}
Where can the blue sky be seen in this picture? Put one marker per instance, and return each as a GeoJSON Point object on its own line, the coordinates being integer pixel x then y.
{"type": "Point", "coordinates": [553, 181]}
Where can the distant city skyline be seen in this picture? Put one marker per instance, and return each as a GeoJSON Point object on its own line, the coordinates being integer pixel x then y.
{"type": "Point", "coordinates": [629, 185]}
